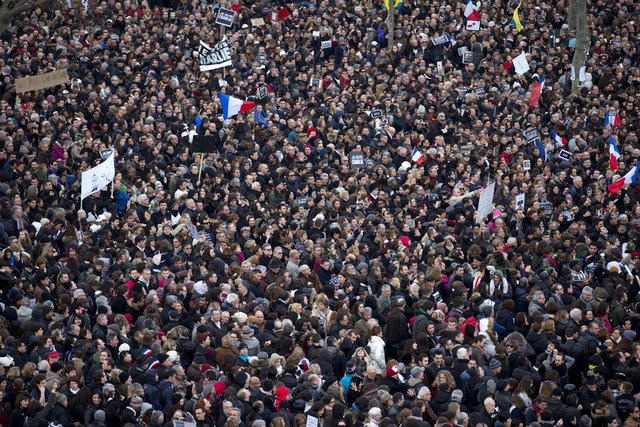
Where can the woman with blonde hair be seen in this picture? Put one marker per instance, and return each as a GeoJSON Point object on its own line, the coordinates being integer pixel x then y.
{"type": "Point", "coordinates": [28, 369]}
{"type": "Point", "coordinates": [169, 345]}
{"type": "Point", "coordinates": [296, 356]}
{"type": "Point", "coordinates": [12, 374]}
{"type": "Point", "coordinates": [278, 362]}
{"type": "Point", "coordinates": [134, 389]}
{"type": "Point", "coordinates": [442, 377]}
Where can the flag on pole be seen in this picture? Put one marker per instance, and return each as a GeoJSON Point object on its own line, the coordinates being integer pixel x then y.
{"type": "Point", "coordinates": [198, 120]}
{"type": "Point", "coordinates": [543, 152]}
{"type": "Point", "coordinates": [557, 138]}
{"type": "Point", "coordinates": [259, 118]}
{"type": "Point", "coordinates": [612, 119]}
{"type": "Point", "coordinates": [471, 12]}
{"type": "Point", "coordinates": [516, 18]}
{"type": "Point", "coordinates": [614, 154]}
{"type": "Point", "coordinates": [98, 177]}
{"type": "Point", "coordinates": [629, 178]}
{"type": "Point", "coordinates": [232, 106]}
{"type": "Point", "coordinates": [397, 4]}
{"type": "Point", "coordinates": [417, 156]}
{"type": "Point", "coordinates": [536, 91]}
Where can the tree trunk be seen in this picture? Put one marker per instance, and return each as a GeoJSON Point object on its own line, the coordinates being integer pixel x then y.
{"type": "Point", "coordinates": [578, 22]}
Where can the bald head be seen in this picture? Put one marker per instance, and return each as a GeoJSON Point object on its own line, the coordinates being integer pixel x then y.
{"type": "Point", "coordinates": [489, 405]}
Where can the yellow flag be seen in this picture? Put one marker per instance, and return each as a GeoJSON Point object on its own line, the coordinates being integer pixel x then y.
{"type": "Point", "coordinates": [397, 4]}
{"type": "Point", "coordinates": [516, 19]}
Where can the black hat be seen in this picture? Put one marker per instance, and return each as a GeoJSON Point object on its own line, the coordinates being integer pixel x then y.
{"type": "Point", "coordinates": [240, 378]}
{"type": "Point", "coordinates": [163, 357]}
{"type": "Point", "coordinates": [275, 263]}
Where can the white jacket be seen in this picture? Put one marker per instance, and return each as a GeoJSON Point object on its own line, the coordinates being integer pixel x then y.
{"type": "Point", "coordinates": [378, 360]}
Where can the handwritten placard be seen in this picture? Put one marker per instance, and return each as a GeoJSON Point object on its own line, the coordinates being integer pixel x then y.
{"type": "Point", "coordinates": [42, 81]}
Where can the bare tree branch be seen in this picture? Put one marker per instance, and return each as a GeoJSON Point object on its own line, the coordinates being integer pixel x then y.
{"type": "Point", "coordinates": [11, 8]}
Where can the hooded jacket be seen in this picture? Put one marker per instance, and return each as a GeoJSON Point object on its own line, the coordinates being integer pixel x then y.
{"type": "Point", "coordinates": [324, 360]}
{"type": "Point", "coordinates": [376, 345]}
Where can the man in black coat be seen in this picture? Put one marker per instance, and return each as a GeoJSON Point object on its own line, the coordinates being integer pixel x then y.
{"type": "Point", "coordinates": [60, 413]}
{"type": "Point", "coordinates": [488, 413]}
{"type": "Point", "coordinates": [216, 328]}
{"type": "Point", "coordinates": [574, 349]}
{"type": "Point", "coordinates": [396, 329]}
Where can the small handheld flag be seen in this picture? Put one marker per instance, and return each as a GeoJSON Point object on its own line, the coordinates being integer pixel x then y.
{"type": "Point", "coordinates": [516, 18]}
{"type": "Point", "coordinates": [232, 106]}
{"type": "Point", "coordinates": [558, 139]}
{"type": "Point", "coordinates": [449, 39]}
{"type": "Point", "coordinates": [629, 178]}
{"type": "Point", "coordinates": [259, 118]}
{"type": "Point", "coordinates": [614, 154]}
{"type": "Point", "coordinates": [612, 119]}
{"type": "Point", "coordinates": [417, 156]}
{"type": "Point", "coordinates": [198, 120]}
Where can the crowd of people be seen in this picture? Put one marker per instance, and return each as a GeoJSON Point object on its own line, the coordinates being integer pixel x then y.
{"type": "Point", "coordinates": [274, 282]}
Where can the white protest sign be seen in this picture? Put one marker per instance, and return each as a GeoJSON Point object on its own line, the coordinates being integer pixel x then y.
{"type": "Point", "coordinates": [98, 177]}
{"type": "Point", "coordinates": [521, 64]}
{"type": "Point", "coordinates": [486, 202]}
{"type": "Point", "coordinates": [473, 25]}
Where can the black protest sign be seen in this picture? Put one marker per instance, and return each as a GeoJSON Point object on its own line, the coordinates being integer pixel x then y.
{"type": "Point", "coordinates": [356, 159]}
{"type": "Point", "coordinates": [106, 152]}
{"type": "Point", "coordinates": [262, 91]}
{"type": "Point", "coordinates": [531, 134]}
{"type": "Point", "coordinates": [203, 144]}
{"type": "Point", "coordinates": [225, 17]}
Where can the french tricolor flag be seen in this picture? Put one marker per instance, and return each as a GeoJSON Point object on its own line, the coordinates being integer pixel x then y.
{"type": "Point", "coordinates": [417, 156]}
{"type": "Point", "coordinates": [471, 12]}
{"type": "Point", "coordinates": [453, 42]}
{"type": "Point", "coordinates": [629, 178]}
{"type": "Point", "coordinates": [232, 106]}
{"type": "Point", "coordinates": [614, 154]}
{"type": "Point", "coordinates": [536, 92]}
{"type": "Point", "coordinates": [558, 139]}
{"type": "Point", "coordinates": [612, 119]}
